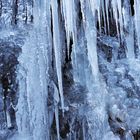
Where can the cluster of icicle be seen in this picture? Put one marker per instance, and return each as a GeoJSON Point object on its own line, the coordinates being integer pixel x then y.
{"type": "Point", "coordinates": [120, 11]}
{"type": "Point", "coordinates": [33, 117]}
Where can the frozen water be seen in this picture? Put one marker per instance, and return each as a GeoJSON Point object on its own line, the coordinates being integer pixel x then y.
{"type": "Point", "coordinates": [90, 43]}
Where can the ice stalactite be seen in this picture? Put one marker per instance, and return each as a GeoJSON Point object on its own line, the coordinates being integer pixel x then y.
{"type": "Point", "coordinates": [117, 14]}
{"type": "Point", "coordinates": [128, 24]}
{"type": "Point", "coordinates": [71, 32]}
{"type": "Point", "coordinates": [103, 14]}
{"type": "Point", "coordinates": [137, 21]}
{"type": "Point", "coordinates": [91, 34]}
{"type": "Point", "coordinates": [124, 23]}
{"type": "Point", "coordinates": [57, 48]}
{"type": "Point", "coordinates": [107, 15]}
{"type": "Point", "coordinates": [69, 17]}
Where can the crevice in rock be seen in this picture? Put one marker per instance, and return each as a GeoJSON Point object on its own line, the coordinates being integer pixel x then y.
{"type": "Point", "coordinates": [132, 7]}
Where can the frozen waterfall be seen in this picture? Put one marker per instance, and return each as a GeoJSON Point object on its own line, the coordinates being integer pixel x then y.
{"type": "Point", "coordinates": [35, 61]}
{"type": "Point", "coordinates": [77, 76]}
{"type": "Point", "coordinates": [33, 77]}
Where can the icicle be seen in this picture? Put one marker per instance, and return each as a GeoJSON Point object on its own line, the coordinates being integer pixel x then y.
{"type": "Point", "coordinates": [119, 8]}
{"type": "Point", "coordinates": [107, 15]}
{"type": "Point", "coordinates": [99, 19]}
{"type": "Point", "coordinates": [137, 21]}
{"type": "Point", "coordinates": [115, 15]}
{"type": "Point", "coordinates": [91, 42]}
{"type": "Point", "coordinates": [118, 16]}
{"type": "Point", "coordinates": [69, 12]}
{"type": "Point", "coordinates": [97, 5]}
{"type": "Point", "coordinates": [129, 30]}
{"type": "Point", "coordinates": [104, 15]}
{"type": "Point", "coordinates": [57, 48]}
{"type": "Point", "coordinates": [101, 5]}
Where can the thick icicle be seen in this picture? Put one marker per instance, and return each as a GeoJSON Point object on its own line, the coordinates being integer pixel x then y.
{"type": "Point", "coordinates": [115, 15]}
{"type": "Point", "coordinates": [57, 48]}
{"type": "Point", "coordinates": [91, 41]}
{"type": "Point", "coordinates": [69, 16]}
{"type": "Point", "coordinates": [96, 101]}
{"type": "Point", "coordinates": [97, 5]}
{"type": "Point", "coordinates": [128, 24]}
{"type": "Point", "coordinates": [36, 66]}
{"type": "Point", "coordinates": [119, 10]}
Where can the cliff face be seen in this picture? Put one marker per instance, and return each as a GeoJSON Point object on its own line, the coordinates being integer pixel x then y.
{"type": "Point", "coordinates": [69, 69]}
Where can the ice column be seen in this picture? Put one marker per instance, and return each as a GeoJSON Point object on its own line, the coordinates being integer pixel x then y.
{"type": "Point", "coordinates": [33, 92]}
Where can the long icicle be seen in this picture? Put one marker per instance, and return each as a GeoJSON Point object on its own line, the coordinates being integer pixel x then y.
{"type": "Point", "coordinates": [137, 22]}
{"type": "Point", "coordinates": [57, 48]}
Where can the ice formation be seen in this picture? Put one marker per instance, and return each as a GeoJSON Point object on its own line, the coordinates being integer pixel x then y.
{"type": "Point", "coordinates": [78, 72]}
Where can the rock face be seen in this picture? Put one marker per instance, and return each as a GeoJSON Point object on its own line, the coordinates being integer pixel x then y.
{"type": "Point", "coordinates": [9, 52]}
{"type": "Point", "coordinates": [69, 70]}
